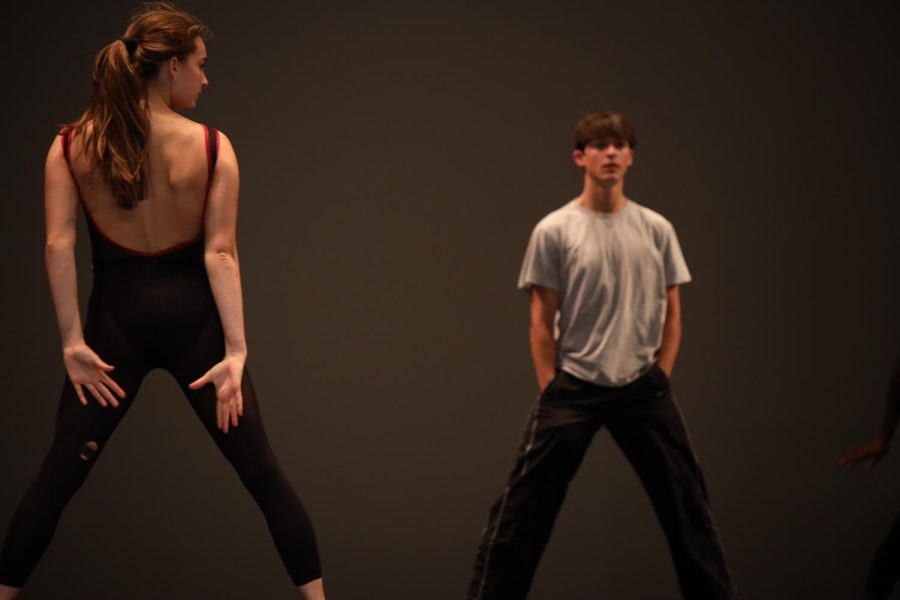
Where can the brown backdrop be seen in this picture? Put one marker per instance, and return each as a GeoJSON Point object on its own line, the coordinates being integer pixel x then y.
{"type": "Point", "coordinates": [394, 160]}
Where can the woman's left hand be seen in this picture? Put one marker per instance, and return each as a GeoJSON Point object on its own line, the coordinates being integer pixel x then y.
{"type": "Point", "coordinates": [226, 376]}
{"type": "Point", "coordinates": [87, 370]}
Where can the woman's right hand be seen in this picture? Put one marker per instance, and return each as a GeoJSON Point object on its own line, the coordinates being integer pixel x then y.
{"type": "Point", "coordinates": [226, 377]}
{"type": "Point", "coordinates": [87, 370]}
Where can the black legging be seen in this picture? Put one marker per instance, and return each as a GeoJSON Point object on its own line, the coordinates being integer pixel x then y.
{"type": "Point", "coordinates": [147, 312]}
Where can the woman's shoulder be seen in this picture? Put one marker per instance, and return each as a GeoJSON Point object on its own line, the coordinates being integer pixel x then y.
{"type": "Point", "coordinates": [67, 143]}
{"type": "Point", "coordinates": [175, 126]}
{"type": "Point", "coordinates": [181, 128]}
{"type": "Point", "coordinates": [74, 133]}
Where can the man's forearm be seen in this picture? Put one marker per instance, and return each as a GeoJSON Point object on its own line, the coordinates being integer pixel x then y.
{"type": "Point", "coordinates": [668, 349]}
{"type": "Point", "coordinates": [543, 353]}
{"type": "Point", "coordinates": [671, 336]}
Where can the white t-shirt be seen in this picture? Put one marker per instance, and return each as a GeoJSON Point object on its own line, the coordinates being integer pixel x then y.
{"type": "Point", "coordinates": [611, 271]}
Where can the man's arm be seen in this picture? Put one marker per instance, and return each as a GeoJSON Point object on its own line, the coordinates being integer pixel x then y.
{"type": "Point", "coordinates": [875, 449]}
{"type": "Point", "coordinates": [671, 337]}
{"type": "Point", "coordinates": [544, 304]}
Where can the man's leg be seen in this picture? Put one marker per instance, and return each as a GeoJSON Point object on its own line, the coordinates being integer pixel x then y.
{"type": "Point", "coordinates": [650, 431]}
{"type": "Point", "coordinates": [885, 567]}
{"type": "Point", "coordinates": [521, 520]}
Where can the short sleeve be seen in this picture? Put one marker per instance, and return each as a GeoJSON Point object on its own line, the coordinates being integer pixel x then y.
{"type": "Point", "coordinates": [676, 268]}
{"type": "Point", "coordinates": [541, 266]}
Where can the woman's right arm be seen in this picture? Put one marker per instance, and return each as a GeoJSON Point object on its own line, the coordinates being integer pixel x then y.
{"type": "Point", "coordinates": [223, 270]}
{"type": "Point", "coordinates": [84, 367]}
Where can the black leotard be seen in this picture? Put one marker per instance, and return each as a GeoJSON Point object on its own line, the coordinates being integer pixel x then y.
{"type": "Point", "coordinates": [147, 311]}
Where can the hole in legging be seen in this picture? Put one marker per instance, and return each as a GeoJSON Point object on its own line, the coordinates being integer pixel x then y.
{"type": "Point", "coordinates": [89, 451]}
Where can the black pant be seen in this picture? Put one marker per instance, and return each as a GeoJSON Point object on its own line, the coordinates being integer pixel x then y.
{"type": "Point", "coordinates": [647, 425]}
{"type": "Point", "coordinates": [885, 567]}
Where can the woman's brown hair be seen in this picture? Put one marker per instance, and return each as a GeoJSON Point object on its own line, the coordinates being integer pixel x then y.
{"type": "Point", "coordinates": [116, 122]}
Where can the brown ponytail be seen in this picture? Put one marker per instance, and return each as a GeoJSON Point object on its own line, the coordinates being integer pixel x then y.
{"type": "Point", "coordinates": [116, 122]}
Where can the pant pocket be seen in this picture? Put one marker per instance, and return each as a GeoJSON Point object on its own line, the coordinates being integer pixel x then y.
{"type": "Point", "coordinates": [550, 390]}
{"type": "Point", "coordinates": [662, 380]}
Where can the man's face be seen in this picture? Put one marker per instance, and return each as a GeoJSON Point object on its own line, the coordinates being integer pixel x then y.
{"type": "Point", "coordinates": [606, 161]}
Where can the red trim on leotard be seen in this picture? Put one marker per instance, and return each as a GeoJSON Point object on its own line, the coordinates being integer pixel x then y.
{"type": "Point", "coordinates": [112, 242]}
{"type": "Point", "coordinates": [208, 152]}
{"type": "Point", "coordinates": [65, 144]}
{"type": "Point", "coordinates": [209, 164]}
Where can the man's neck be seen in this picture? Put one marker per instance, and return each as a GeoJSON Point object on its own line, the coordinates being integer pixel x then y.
{"type": "Point", "coordinates": [603, 198]}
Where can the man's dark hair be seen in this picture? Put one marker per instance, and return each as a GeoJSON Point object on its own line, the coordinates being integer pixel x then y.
{"type": "Point", "coordinates": [604, 124]}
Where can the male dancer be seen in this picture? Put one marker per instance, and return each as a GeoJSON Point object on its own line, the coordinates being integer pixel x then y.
{"type": "Point", "coordinates": [611, 269]}
{"type": "Point", "coordinates": [885, 567]}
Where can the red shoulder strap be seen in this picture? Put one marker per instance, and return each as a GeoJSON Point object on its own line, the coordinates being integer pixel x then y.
{"type": "Point", "coordinates": [66, 138]}
{"type": "Point", "coordinates": [212, 148]}
{"type": "Point", "coordinates": [65, 144]}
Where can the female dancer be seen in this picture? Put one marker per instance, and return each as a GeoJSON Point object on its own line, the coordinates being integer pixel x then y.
{"type": "Point", "coordinates": [160, 196]}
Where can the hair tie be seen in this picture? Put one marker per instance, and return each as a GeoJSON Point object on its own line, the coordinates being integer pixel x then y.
{"type": "Point", "coordinates": [130, 43]}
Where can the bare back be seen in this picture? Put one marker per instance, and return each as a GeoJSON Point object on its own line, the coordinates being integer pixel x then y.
{"type": "Point", "coordinates": [178, 174]}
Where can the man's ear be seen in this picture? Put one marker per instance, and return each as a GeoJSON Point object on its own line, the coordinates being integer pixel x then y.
{"type": "Point", "coordinates": [578, 157]}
